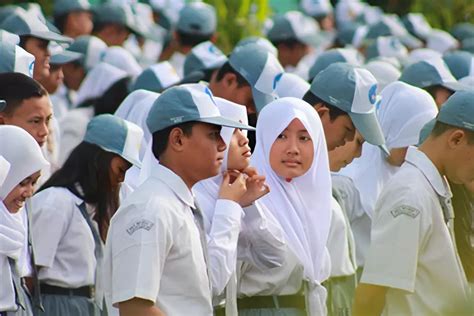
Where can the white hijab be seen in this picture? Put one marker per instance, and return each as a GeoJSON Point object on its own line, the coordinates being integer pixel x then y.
{"type": "Point", "coordinates": [303, 205]}
{"type": "Point", "coordinates": [23, 153]}
{"type": "Point", "coordinates": [207, 191]}
{"type": "Point", "coordinates": [4, 168]}
{"type": "Point", "coordinates": [402, 113]}
{"type": "Point", "coordinates": [98, 80]}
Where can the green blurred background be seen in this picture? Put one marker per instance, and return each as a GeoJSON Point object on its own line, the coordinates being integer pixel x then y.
{"type": "Point", "coordinates": [239, 18]}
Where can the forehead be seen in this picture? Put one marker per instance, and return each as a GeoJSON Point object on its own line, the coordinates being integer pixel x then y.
{"type": "Point", "coordinates": [34, 106]}
{"type": "Point", "coordinates": [296, 125]}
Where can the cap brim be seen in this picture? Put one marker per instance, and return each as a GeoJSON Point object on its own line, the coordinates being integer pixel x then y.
{"type": "Point", "coordinates": [261, 99]}
{"type": "Point", "coordinates": [65, 57]}
{"type": "Point", "coordinates": [313, 40]}
{"type": "Point", "coordinates": [51, 36]}
{"type": "Point", "coordinates": [369, 127]}
{"type": "Point", "coordinates": [193, 77]}
{"type": "Point", "coordinates": [455, 86]}
{"type": "Point", "coordinates": [221, 121]}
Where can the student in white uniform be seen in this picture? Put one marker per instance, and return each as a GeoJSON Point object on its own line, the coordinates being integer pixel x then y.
{"type": "Point", "coordinates": [224, 205]}
{"type": "Point", "coordinates": [402, 113]}
{"type": "Point", "coordinates": [291, 152]}
{"type": "Point", "coordinates": [80, 198]}
{"type": "Point", "coordinates": [413, 267]}
{"type": "Point", "coordinates": [27, 160]}
{"type": "Point", "coordinates": [156, 250]}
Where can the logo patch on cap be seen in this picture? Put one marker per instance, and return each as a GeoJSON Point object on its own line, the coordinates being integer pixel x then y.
{"type": "Point", "coordinates": [373, 94]}
{"type": "Point", "coordinates": [31, 68]}
{"type": "Point", "coordinates": [209, 93]}
{"type": "Point", "coordinates": [276, 79]}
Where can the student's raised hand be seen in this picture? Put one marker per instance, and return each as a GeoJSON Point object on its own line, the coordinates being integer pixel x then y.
{"type": "Point", "coordinates": [256, 187]}
{"type": "Point", "coordinates": [235, 190]}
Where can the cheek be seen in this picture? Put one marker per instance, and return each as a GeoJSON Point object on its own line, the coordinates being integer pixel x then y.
{"type": "Point", "coordinates": [307, 155]}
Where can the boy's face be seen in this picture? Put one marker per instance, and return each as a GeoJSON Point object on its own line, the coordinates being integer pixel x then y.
{"type": "Point", "coordinates": [78, 23]}
{"type": "Point", "coordinates": [39, 48]}
{"type": "Point", "coordinates": [337, 131]}
{"type": "Point", "coordinates": [460, 168]}
{"type": "Point", "coordinates": [343, 155]}
{"type": "Point", "coordinates": [33, 115]}
{"type": "Point", "coordinates": [203, 151]}
{"type": "Point", "coordinates": [239, 154]}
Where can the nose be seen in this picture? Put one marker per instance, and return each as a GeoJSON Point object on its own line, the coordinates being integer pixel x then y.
{"type": "Point", "coordinates": [242, 140]}
{"type": "Point", "coordinates": [43, 130]}
{"type": "Point", "coordinates": [221, 146]}
{"type": "Point", "coordinates": [28, 191]}
{"type": "Point", "coordinates": [292, 146]}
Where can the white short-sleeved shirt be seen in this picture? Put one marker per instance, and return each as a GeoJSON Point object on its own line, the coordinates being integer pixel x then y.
{"type": "Point", "coordinates": [153, 249]}
{"type": "Point", "coordinates": [411, 250]}
{"type": "Point", "coordinates": [63, 241]}
{"type": "Point", "coordinates": [340, 243]}
{"type": "Point", "coordinates": [348, 198]}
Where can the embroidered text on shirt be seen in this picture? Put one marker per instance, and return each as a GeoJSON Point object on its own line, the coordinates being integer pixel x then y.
{"type": "Point", "coordinates": [405, 210]}
{"type": "Point", "coordinates": [140, 224]}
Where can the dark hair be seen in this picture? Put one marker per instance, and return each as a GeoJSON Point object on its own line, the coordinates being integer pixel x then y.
{"type": "Point", "coordinates": [441, 128]}
{"type": "Point", "coordinates": [16, 87]}
{"type": "Point", "coordinates": [88, 166]}
{"type": "Point", "coordinates": [111, 99]}
{"type": "Point", "coordinates": [186, 39]}
{"type": "Point", "coordinates": [290, 43]}
{"type": "Point", "coordinates": [160, 138]}
{"type": "Point", "coordinates": [227, 68]}
{"type": "Point", "coordinates": [334, 112]}
{"type": "Point", "coordinates": [60, 21]}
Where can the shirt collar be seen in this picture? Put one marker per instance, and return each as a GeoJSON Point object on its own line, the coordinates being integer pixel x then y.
{"type": "Point", "coordinates": [175, 183]}
{"type": "Point", "coordinates": [418, 159]}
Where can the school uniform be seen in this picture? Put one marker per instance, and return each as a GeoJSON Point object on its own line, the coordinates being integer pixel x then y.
{"type": "Point", "coordinates": [154, 249]}
{"type": "Point", "coordinates": [65, 252]}
{"type": "Point", "coordinates": [412, 249]}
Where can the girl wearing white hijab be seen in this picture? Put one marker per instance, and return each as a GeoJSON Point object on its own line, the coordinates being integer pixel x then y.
{"type": "Point", "coordinates": [402, 113]}
{"type": "Point", "coordinates": [291, 152]}
{"type": "Point", "coordinates": [222, 215]}
{"type": "Point", "coordinates": [24, 153]}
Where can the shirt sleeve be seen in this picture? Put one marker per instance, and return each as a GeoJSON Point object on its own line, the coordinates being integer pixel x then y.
{"type": "Point", "coordinates": [222, 243]}
{"type": "Point", "coordinates": [49, 207]}
{"type": "Point", "coordinates": [397, 232]}
{"type": "Point", "coordinates": [261, 242]}
{"type": "Point", "coordinates": [139, 248]}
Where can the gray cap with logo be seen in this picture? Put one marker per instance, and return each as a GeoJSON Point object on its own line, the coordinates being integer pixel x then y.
{"type": "Point", "coordinates": [294, 25]}
{"type": "Point", "coordinates": [458, 110]}
{"type": "Point", "coordinates": [204, 56]}
{"type": "Point", "coordinates": [354, 91]}
{"type": "Point", "coordinates": [187, 103]}
{"type": "Point", "coordinates": [62, 7]}
{"type": "Point", "coordinates": [197, 18]}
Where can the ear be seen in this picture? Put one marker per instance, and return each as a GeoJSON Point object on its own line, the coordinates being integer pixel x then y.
{"type": "Point", "coordinates": [321, 110]}
{"type": "Point", "coordinates": [456, 138]}
{"type": "Point", "coordinates": [214, 38]}
{"type": "Point", "coordinates": [177, 140]}
{"type": "Point", "coordinates": [229, 79]}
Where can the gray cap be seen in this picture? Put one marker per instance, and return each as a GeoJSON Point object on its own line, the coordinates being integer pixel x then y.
{"type": "Point", "coordinates": [432, 72]}
{"type": "Point", "coordinates": [329, 57]}
{"type": "Point", "coordinates": [60, 56]}
{"type": "Point", "coordinates": [197, 18]}
{"type": "Point", "coordinates": [187, 103]}
{"type": "Point", "coordinates": [62, 7]}
{"type": "Point", "coordinates": [458, 110]}
{"type": "Point", "coordinates": [416, 24]}
{"type": "Point", "coordinates": [261, 41]}
{"type": "Point", "coordinates": [386, 46]}
{"type": "Point", "coordinates": [317, 9]}
{"type": "Point", "coordinates": [92, 49]}
{"type": "Point", "coordinates": [467, 44]}
{"type": "Point", "coordinates": [426, 131]}
{"type": "Point", "coordinates": [25, 24]}
{"type": "Point", "coordinates": [204, 56]}
{"type": "Point", "coordinates": [354, 92]}
{"type": "Point", "coordinates": [16, 59]}
{"type": "Point", "coordinates": [461, 64]}
{"type": "Point", "coordinates": [391, 26]}
{"type": "Point", "coordinates": [114, 13]}
{"type": "Point", "coordinates": [463, 30]}
{"type": "Point", "coordinates": [156, 78]}
{"type": "Point", "coordinates": [260, 71]}
{"type": "Point", "coordinates": [116, 135]}
{"type": "Point", "coordinates": [294, 25]}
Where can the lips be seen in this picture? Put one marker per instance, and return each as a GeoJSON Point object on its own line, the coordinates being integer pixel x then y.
{"type": "Point", "coordinates": [19, 203]}
{"type": "Point", "coordinates": [291, 163]}
{"type": "Point", "coordinates": [247, 154]}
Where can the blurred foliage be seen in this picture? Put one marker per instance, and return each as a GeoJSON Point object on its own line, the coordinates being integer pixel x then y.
{"type": "Point", "coordinates": [238, 19]}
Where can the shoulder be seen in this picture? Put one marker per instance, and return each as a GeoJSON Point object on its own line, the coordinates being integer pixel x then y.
{"type": "Point", "coordinates": [55, 196]}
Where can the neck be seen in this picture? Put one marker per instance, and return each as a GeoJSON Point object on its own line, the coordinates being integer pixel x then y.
{"type": "Point", "coordinates": [179, 170]}
{"type": "Point", "coordinates": [431, 149]}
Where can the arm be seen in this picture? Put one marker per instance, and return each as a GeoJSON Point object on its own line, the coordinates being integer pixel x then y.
{"type": "Point", "coordinates": [139, 307]}
{"type": "Point", "coordinates": [369, 300]}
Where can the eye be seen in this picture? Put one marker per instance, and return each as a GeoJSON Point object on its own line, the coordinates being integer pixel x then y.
{"type": "Point", "coordinates": [281, 136]}
{"type": "Point", "coordinates": [305, 138]}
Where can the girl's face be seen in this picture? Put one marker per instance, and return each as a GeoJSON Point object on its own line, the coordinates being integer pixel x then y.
{"type": "Point", "coordinates": [118, 168]}
{"type": "Point", "coordinates": [15, 200]}
{"type": "Point", "coordinates": [239, 151]}
{"type": "Point", "coordinates": [292, 152]}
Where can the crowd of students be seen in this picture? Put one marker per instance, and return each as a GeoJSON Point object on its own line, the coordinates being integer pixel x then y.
{"type": "Point", "coordinates": [326, 168]}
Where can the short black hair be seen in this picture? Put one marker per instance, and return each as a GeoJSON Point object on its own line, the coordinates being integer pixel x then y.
{"type": "Point", "coordinates": [227, 68]}
{"type": "Point", "coordinates": [16, 87]}
{"type": "Point", "coordinates": [187, 39]}
{"type": "Point", "coordinates": [60, 21]}
{"type": "Point", "coordinates": [334, 112]}
{"type": "Point", "coordinates": [290, 43]}
{"type": "Point", "coordinates": [160, 138]}
{"type": "Point", "coordinates": [440, 128]}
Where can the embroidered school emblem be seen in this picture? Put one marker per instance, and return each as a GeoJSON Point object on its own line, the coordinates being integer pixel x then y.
{"type": "Point", "coordinates": [405, 210]}
{"type": "Point", "coordinates": [140, 224]}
